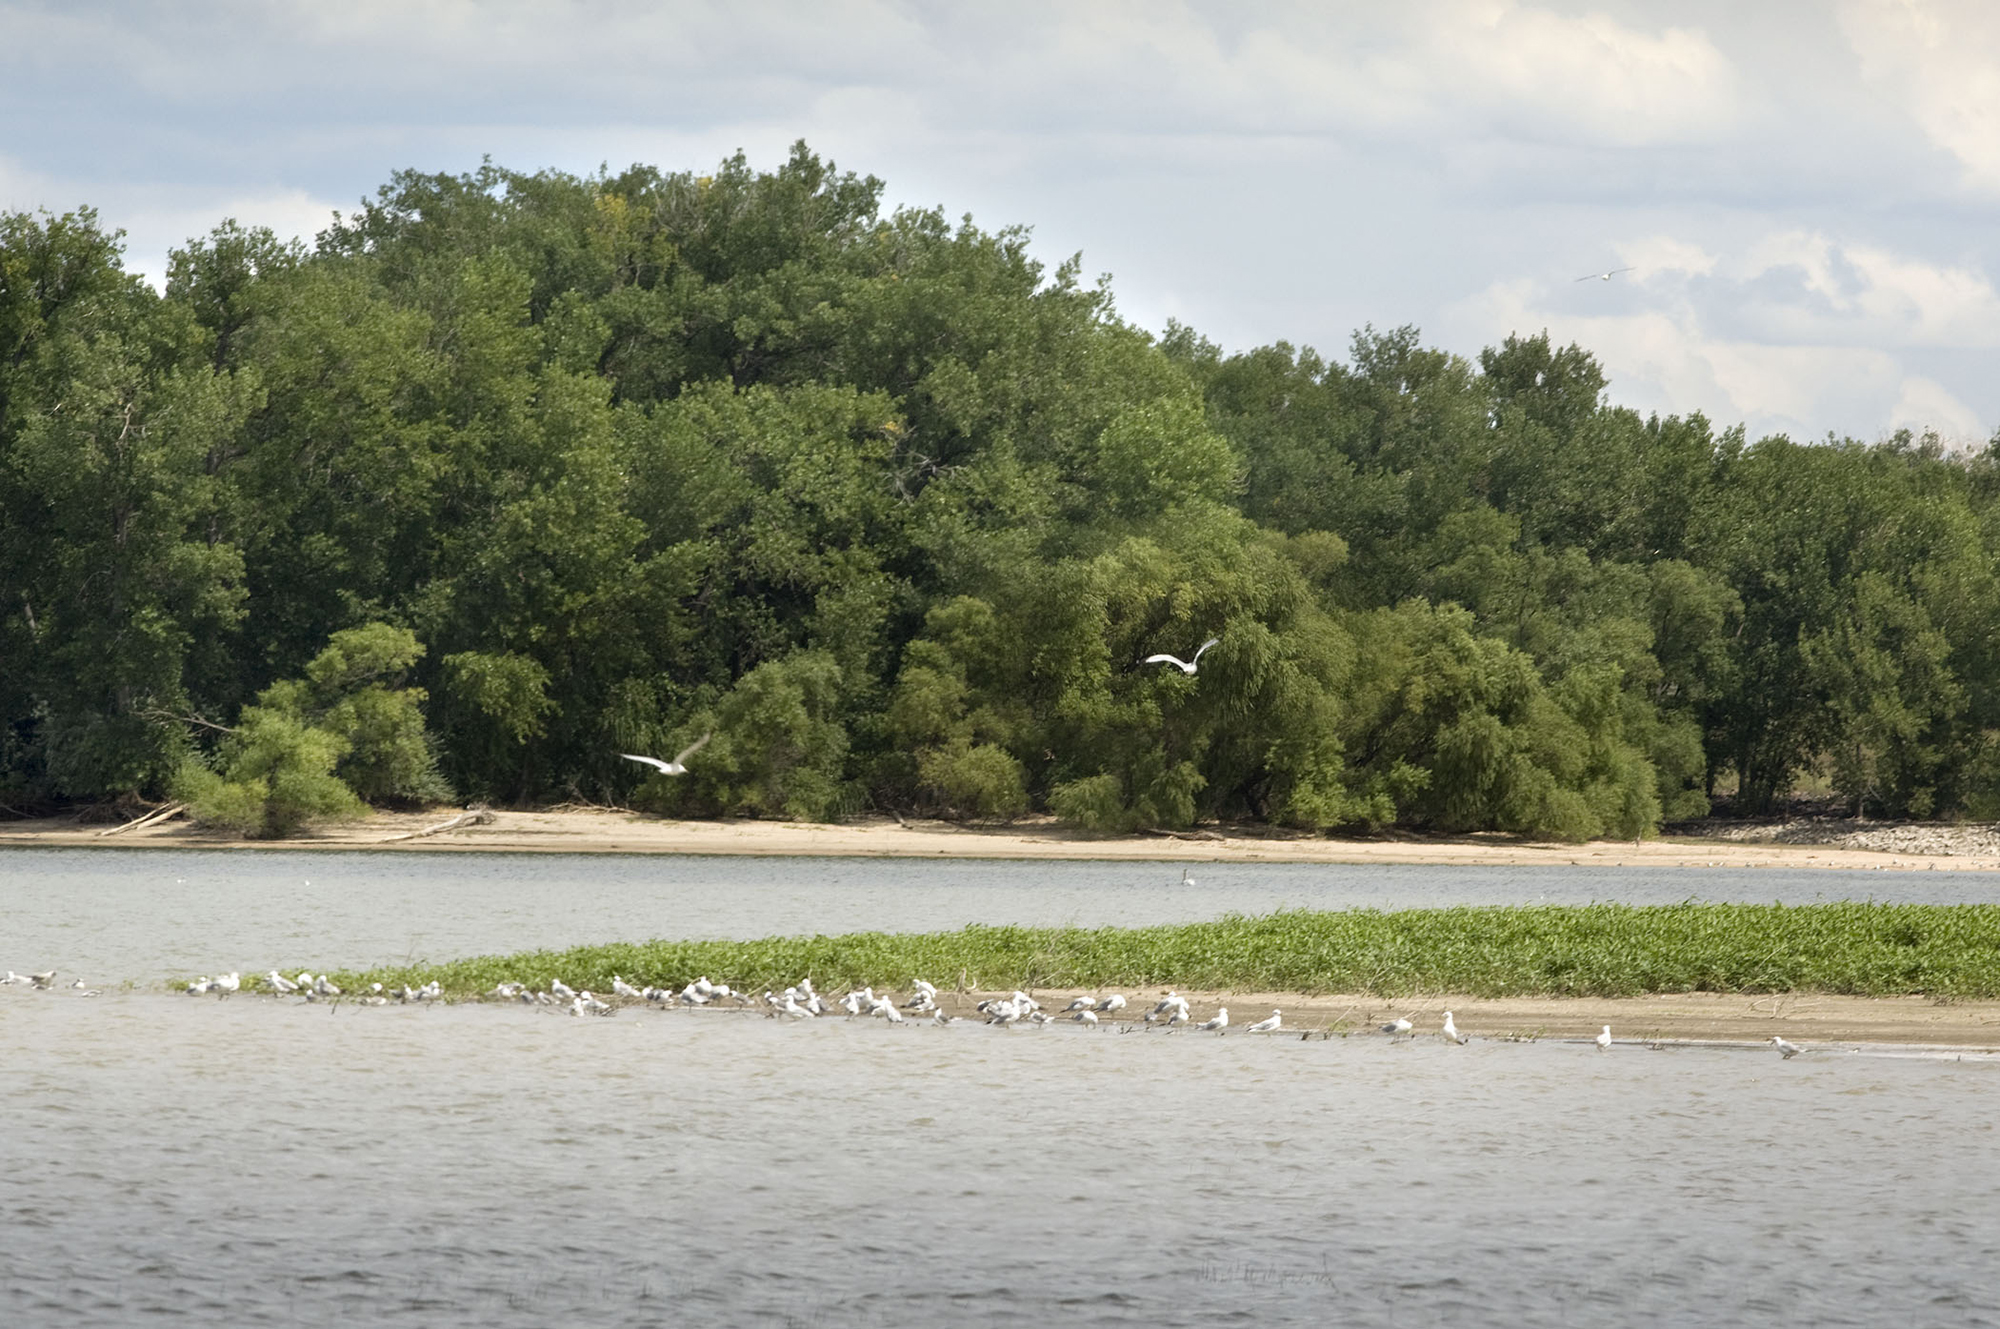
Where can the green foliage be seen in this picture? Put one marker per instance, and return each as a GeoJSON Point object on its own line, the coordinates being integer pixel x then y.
{"type": "Point", "coordinates": [896, 511]}
{"type": "Point", "coordinates": [1601, 950]}
{"type": "Point", "coordinates": [312, 749]}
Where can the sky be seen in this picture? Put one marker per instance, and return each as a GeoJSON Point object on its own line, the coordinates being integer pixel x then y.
{"type": "Point", "coordinates": [1802, 194]}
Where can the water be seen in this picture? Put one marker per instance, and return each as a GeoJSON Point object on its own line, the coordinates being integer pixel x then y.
{"type": "Point", "coordinates": [144, 915]}
{"type": "Point", "coordinates": [257, 1162]}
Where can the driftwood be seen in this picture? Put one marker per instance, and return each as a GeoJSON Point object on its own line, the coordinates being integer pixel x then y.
{"type": "Point", "coordinates": [469, 817]}
{"type": "Point", "coordinates": [1181, 835]}
{"type": "Point", "coordinates": [147, 819]}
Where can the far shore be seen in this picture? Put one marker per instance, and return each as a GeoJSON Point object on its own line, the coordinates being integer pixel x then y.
{"type": "Point", "coordinates": [597, 831]}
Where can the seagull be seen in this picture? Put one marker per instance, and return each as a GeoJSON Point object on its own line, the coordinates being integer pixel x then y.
{"type": "Point", "coordinates": [1085, 1017]}
{"type": "Point", "coordinates": [1185, 666]}
{"type": "Point", "coordinates": [678, 766]}
{"type": "Point", "coordinates": [1604, 276]}
{"type": "Point", "coordinates": [279, 983]}
{"type": "Point", "coordinates": [1451, 1030]}
{"type": "Point", "coordinates": [1270, 1026]}
{"type": "Point", "coordinates": [1219, 1023]}
{"type": "Point", "coordinates": [1398, 1026]}
{"type": "Point", "coordinates": [43, 980]}
{"type": "Point", "coordinates": [1604, 1040]}
{"type": "Point", "coordinates": [1114, 1002]}
{"type": "Point", "coordinates": [558, 988]}
{"type": "Point", "coordinates": [620, 988]}
{"type": "Point", "coordinates": [1785, 1050]}
{"type": "Point", "coordinates": [228, 983]}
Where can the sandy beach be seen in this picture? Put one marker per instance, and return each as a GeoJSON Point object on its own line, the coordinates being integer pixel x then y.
{"type": "Point", "coordinates": [583, 831]}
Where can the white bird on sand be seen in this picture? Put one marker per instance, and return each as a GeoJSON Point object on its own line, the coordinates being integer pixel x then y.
{"type": "Point", "coordinates": [1604, 276]}
{"type": "Point", "coordinates": [1399, 1025]}
{"type": "Point", "coordinates": [1081, 1004]}
{"type": "Point", "coordinates": [1451, 1030]}
{"type": "Point", "coordinates": [1185, 666]}
{"type": "Point", "coordinates": [1173, 1001]}
{"type": "Point", "coordinates": [620, 988]}
{"type": "Point", "coordinates": [1785, 1050]}
{"type": "Point", "coordinates": [678, 766]}
{"type": "Point", "coordinates": [1604, 1040]}
{"type": "Point", "coordinates": [558, 988]}
{"type": "Point", "coordinates": [305, 978]}
{"type": "Point", "coordinates": [1220, 1022]}
{"type": "Point", "coordinates": [1114, 1002]}
{"type": "Point", "coordinates": [199, 986]}
{"type": "Point", "coordinates": [886, 1009]}
{"type": "Point", "coordinates": [228, 983]}
{"type": "Point", "coordinates": [1085, 1017]}
{"type": "Point", "coordinates": [279, 983]}
{"type": "Point", "coordinates": [325, 988]}
{"type": "Point", "coordinates": [792, 1007]}
{"type": "Point", "coordinates": [1270, 1026]}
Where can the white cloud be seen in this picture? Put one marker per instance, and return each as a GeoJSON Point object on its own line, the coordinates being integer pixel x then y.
{"type": "Point", "coordinates": [1795, 333]}
{"type": "Point", "coordinates": [1942, 60]}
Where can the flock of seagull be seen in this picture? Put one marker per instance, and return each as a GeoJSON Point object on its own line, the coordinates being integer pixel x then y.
{"type": "Point", "coordinates": [798, 1002]}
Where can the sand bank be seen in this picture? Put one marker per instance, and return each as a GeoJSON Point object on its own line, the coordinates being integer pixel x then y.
{"type": "Point", "coordinates": [587, 831]}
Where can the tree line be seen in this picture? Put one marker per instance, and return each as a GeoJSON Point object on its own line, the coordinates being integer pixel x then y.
{"type": "Point", "coordinates": [509, 474]}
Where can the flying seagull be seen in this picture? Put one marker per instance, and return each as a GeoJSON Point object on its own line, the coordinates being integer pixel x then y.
{"type": "Point", "coordinates": [1604, 276]}
{"type": "Point", "coordinates": [1185, 666]}
{"type": "Point", "coordinates": [678, 766]}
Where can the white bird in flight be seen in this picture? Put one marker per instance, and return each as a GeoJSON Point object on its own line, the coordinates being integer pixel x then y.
{"type": "Point", "coordinates": [1604, 276]}
{"type": "Point", "coordinates": [1185, 666]}
{"type": "Point", "coordinates": [1604, 1040]}
{"type": "Point", "coordinates": [1785, 1050]}
{"type": "Point", "coordinates": [678, 766]}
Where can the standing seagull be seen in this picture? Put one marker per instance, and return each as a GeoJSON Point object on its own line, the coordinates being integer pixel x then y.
{"type": "Point", "coordinates": [1604, 1040]}
{"type": "Point", "coordinates": [1451, 1030]}
{"type": "Point", "coordinates": [1399, 1025]}
{"type": "Point", "coordinates": [1785, 1050]}
{"type": "Point", "coordinates": [1604, 276]}
{"type": "Point", "coordinates": [678, 766]}
{"type": "Point", "coordinates": [1270, 1026]}
{"type": "Point", "coordinates": [1185, 666]}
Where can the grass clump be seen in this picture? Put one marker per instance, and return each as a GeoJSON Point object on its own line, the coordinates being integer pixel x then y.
{"type": "Point", "coordinates": [1600, 950]}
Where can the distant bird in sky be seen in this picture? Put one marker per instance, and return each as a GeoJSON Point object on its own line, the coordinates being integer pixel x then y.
{"type": "Point", "coordinates": [678, 766]}
{"type": "Point", "coordinates": [1785, 1050]}
{"type": "Point", "coordinates": [1185, 666]}
{"type": "Point", "coordinates": [1604, 1040]}
{"type": "Point", "coordinates": [1604, 276]}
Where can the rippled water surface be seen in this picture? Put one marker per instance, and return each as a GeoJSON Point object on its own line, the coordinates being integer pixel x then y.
{"type": "Point", "coordinates": [252, 1163]}
{"type": "Point", "coordinates": [260, 1162]}
{"type": "Point", "coordinates": [117, 915]}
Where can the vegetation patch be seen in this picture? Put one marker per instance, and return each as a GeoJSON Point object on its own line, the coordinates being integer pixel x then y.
{"type": "Point", "coordinates": [1602, 950]}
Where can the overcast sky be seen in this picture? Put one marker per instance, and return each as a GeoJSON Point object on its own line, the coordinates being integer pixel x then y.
{"type": "Point", "coordinates": [1805, 191]}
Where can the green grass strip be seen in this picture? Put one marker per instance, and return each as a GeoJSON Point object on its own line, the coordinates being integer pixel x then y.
{"type": "Point", "coordinates": [1603, 950]}
{"type": "Point", "coordinates": [1489, 951]}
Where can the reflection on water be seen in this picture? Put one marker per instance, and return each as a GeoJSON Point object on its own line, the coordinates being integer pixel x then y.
{"type": "Point", "coordinates": [256, 1162]}
{"type": "Point", "coordinates": [114, 915]}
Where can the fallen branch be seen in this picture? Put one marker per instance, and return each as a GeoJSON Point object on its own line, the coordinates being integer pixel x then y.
{"type": "Point", "coordinates": [1181, 835]}
{"type": "Point", "coordinates": [470, 817]}
{"type": "Point", "coordinates": [146, 819]}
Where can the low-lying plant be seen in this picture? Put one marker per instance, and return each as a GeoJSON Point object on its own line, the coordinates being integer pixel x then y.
{"type": "Point", "coordinates": [1600, 950]}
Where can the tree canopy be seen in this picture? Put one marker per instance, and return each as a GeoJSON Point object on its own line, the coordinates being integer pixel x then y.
{"type": "Point", "coordinates": [509, 474]}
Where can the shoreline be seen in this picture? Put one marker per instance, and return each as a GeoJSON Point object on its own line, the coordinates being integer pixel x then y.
{"type": "Point", "coordinates": [617, 832]}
